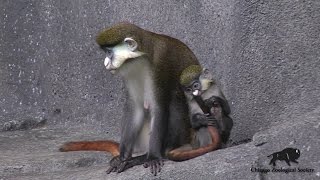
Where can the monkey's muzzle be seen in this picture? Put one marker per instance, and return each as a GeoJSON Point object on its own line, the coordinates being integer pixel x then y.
{"type": "Point", "coordinates": [196, 93]}
{"type": "Point", "coordinates": [111, 68]}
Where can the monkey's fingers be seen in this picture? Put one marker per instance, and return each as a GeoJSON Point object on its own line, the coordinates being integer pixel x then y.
{"type": "Point", "coordinates": [155, 166]}
{"type": "Point", "coordinates": [122, 166]}
{"type": "Point", "coordinates": [111, 169]}
{"type": "Point", "coordinates": [114, 163]}
{"type": "Point", "coordinates": [159, 166]}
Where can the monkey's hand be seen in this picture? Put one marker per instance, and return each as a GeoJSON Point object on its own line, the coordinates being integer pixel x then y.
{"type": "Point", "coordinates": [218, 103]}
{"type": "Point", "coordinates": [199, 120]}
{"type": "Point", "coordinates": [155, 165]}
{"type": "Point", "coordinates": [116, 165]}
{"type": "Point", "coordinates": [213, 102]}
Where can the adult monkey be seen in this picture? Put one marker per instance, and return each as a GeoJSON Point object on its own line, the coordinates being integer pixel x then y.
{"type": "Point", "coordinates": [150, 65]}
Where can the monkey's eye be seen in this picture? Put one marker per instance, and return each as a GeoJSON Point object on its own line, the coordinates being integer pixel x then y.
{"type": "Point", "coordinates": [196, 86]}
{"type": "Point", "coordinates": [189, 90]}
{"type": "Point", "coordinates": [108, 51]}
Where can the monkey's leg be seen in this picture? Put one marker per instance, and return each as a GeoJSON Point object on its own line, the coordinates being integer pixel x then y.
{"type": "Point", "coordinates": [159, 128]}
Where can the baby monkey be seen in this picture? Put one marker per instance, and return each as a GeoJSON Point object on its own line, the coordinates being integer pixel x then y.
{"type": "Point", "coordinates": [208, 106]}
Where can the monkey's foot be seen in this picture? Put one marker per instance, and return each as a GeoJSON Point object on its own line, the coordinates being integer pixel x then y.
{"type": "Point", "coordinates": [155, 165]}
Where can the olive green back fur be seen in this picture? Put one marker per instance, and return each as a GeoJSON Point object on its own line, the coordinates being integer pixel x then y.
{"type": "Point", "coordinates": [189, 74]}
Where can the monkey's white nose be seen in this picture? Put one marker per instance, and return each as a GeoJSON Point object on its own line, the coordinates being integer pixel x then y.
{"type": "Point", "coordinates": [107, 62]}
{"type": "Point", "coordinates": [195, 93]}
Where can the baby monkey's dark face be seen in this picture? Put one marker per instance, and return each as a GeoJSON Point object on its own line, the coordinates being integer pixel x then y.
{"type": "Point", "coordinates": [199, 84]}
{"type": "Point", "coordinates": [194, 88]}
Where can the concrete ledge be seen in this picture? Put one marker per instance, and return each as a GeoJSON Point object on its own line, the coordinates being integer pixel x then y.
{"type": "Point", "coordinates": [23, 159]}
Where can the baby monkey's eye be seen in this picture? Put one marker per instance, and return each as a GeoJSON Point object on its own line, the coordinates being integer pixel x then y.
{"type": "Point", "coordinates": [188, 89]}
{"type": "Point", "coordinates": [196, 86]}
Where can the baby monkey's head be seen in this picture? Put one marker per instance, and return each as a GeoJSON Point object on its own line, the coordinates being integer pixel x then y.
{"type": "Point", "coordinates": [195, 80]}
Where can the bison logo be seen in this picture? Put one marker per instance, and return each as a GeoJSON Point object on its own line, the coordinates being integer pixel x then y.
{"type": "Point", "coordinates": [288, 154]}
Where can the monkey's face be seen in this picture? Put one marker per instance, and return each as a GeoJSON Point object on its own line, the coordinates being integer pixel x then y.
{"type": "Point", "coordinates": [194, 88]}
{"type": "Point", "coordinates": [117, 55]}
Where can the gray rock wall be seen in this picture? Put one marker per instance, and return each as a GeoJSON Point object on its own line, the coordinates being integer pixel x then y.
{"type": "Point", "coordinates": [264, 53]}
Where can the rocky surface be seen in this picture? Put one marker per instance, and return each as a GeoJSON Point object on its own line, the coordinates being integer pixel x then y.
{"type": "Point", "coordinates": [34, 155]}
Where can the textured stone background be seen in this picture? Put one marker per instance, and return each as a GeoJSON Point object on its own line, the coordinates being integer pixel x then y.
{"type": "Point", "coordinates": [264, 53]}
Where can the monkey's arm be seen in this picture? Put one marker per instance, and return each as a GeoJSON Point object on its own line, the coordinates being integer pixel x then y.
{"type": "Point", "coordinates": [154, 158]}
{"type": "Point", "coordinates": [181, 155]}
{"type": "Point", "coordinates": [131, 124]}
{"type": "Point", "coordinates": [159, 122]}
{"type": "Point", "coordinates": [223, 103]}
{"type": "Point", "coordinates": [199, 120]}
{"type": "Point", "coordinates": [219, 110]}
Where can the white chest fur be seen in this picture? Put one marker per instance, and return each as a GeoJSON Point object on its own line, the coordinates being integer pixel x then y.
{"type": "Point", "coordinates": [138, 78]}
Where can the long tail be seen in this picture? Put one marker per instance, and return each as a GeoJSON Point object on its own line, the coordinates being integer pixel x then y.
{"type": "Point", "coordinates": [181, 155]}
{"type": "Point", "coordinates": [108, 146]}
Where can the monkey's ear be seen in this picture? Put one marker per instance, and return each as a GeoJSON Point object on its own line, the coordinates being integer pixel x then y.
{"type": "Point", "coordinates": [131, 43]}
{"type": "Point", "coordinates": [206, 71]}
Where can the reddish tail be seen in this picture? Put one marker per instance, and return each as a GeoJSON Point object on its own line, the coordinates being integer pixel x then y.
{"type": "Point", "coordinates": [179, 155]}
{"type": "Point", "coordinates": [108, 146]}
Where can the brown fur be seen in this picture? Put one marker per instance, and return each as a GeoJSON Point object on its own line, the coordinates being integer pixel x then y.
{"type": "Point", "coordinates": [154, 45]}
{"type": "Point", "coordinates": [182, 155]}
{"type": "Point", "coordinates": [168, 57]}
{"type": "Point", "coordinates": [107, 146]}
{"type": "Point", "coordinates": [113, 147]}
